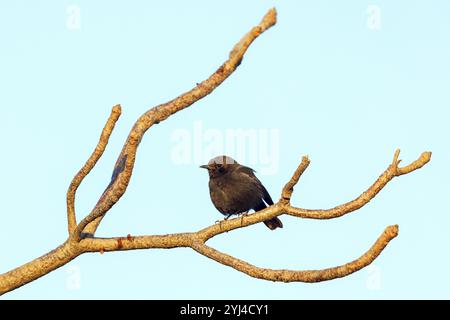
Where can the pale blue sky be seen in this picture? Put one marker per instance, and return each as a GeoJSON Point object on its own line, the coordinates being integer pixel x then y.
{"type": "Point", "coordinates": [332, 88]}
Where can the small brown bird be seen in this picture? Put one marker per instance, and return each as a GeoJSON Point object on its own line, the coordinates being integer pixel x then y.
{"type": "Point", "coordinates": [235, 189]}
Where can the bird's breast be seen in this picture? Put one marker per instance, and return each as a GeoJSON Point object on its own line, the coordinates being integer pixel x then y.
{"type": "Point", "coordinates": [233, 196]}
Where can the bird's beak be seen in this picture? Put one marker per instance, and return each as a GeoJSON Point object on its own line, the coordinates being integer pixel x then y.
{"type": "Point", "coordinates": [205, 166]}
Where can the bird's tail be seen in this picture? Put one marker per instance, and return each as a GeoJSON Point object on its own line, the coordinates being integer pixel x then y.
{"type": "Point", "coordinates": [273, 223]}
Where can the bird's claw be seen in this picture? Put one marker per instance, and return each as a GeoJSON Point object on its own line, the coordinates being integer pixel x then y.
{"type": "Point", "coordinates": [243, 214]}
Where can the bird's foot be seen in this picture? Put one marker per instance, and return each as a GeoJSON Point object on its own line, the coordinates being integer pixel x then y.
{"type": "Point", "coordinates": [243, 214]}
{"type": "Point", "coordinates": [220, 223]}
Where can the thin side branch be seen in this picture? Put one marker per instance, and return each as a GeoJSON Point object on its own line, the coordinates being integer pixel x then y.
{"type": "Point", "coordinates": [419, 163]}
{"type": "Point", "coordinates": [89, 165]}
{"type": "Point", "coordinates": [78, 243]}
{"type": "Point", "coordinates": [303, 275]}
{"type": "Point", "coordinates": [160, 113]}
{"type": "Point", "coordinates": [392, 171]}
{"type": "Point", "coordinates": [288, 189]}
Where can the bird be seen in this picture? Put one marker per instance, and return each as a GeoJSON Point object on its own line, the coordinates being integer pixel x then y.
{"type": "Point", "coordinates": [234, 189]}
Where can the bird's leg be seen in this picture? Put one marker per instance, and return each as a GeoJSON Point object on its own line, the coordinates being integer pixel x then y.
{"type": "Point", "coordinates": [225, 219]}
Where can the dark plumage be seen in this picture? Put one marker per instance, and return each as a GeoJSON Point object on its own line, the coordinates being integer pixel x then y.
{"type": "Point", "coordinates": [235, 189]}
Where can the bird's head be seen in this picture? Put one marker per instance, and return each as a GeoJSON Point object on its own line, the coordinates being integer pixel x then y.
{"type": "Point", "coordinates": [219, 166]}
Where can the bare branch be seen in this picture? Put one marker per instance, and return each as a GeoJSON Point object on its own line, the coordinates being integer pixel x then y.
{"type": "Point", "coordinates": [392, 171]}
{"type": "Point", "coordinates": [305, 275]}
{"type": "Point", "coordinates": [90, 163]}
{"type": "Point", "coordinates": [38, 267]}
{"type": "Point", "coordinates": [78, 243]}
{"type": "Point", "coordinates": [286, 193]}
{"type": "Point", "coordinates": [419, 163]}
{"type": "Point", "coordinates": [160, 113]}
{"type": "Point", "coordinates": [71, 249]}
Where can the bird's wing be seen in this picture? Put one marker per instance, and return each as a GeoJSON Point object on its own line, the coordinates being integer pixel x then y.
{"type": "Point", "coordinates": [267, 197]}
{"type": "Point", "coordinates": [248, 171]}
{"type": "Point", "coordinates": [251, 173]}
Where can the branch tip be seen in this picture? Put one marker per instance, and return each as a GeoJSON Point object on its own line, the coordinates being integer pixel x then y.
{"type": "Point", "coordinates": [424, 158]}
{"type": "Point", "coordinates": [117, 109]}
{"type": "Point", "coordinates": [288, 189]}
{"type": "Point", "coordinates": [269, 20]}
{"type": "Point", "coordinates": [392, 231]}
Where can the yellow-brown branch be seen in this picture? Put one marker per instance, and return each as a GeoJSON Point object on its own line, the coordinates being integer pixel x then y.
{"type": "Point", "coordinates": [161, 113]}
{"type": "Point", "coordinates": [300, 275]}
{"type": "Point", "coordinates": [90, 163]}
{"type": "Point", "coordinates": [77, 244]}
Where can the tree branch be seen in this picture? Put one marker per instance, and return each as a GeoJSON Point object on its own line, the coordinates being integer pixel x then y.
{"type": "Point", "coordinates": [303, 275]}
{"type": "Point", "coordinates": [78, 243]}
{"type": "Point", "coordinates": [70, 249]}
{"type": "Point", "coordinates": [160, 113]}
{"type": "Point", "coordinates": [286, 193]}
{"type": "Point", "coordinates": [392, 171]}
{"type": "Point", "coordinates": [90, 163]}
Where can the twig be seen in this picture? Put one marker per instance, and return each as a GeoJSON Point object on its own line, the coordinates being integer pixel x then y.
{"type": "Point", "coordinates": [286, 193]}
{"type": "Point", "coordinates": [300, 275]}
{"type": "Point", "coordinates": [392, 171]}
{"type": "Point", "coordinates": [90, 163]}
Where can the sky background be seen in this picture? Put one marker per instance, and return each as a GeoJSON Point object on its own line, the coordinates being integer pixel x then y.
{"type": "Point", "coordinates": [345, 83]}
